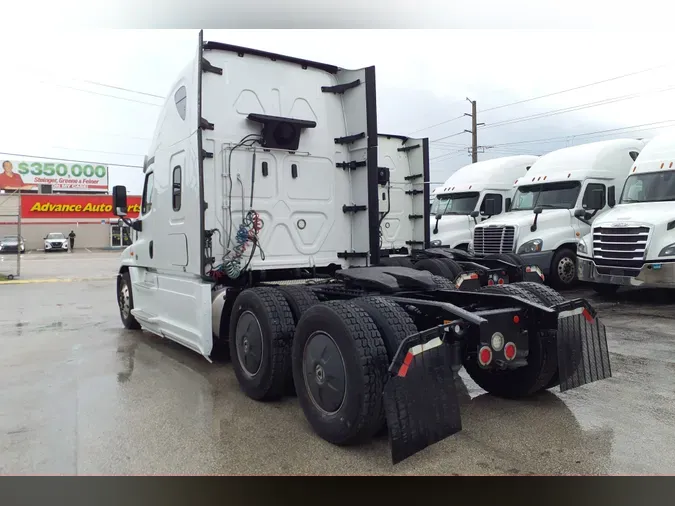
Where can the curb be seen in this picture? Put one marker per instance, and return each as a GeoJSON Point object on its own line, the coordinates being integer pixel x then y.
{"type": "Point", "coordinates": [54, 280]}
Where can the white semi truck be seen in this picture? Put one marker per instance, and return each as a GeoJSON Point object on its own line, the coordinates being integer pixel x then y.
{"type": "Point", "coordinates": [542, 225]}
{"type": "Point", "coordinates": [464, 199]}
{"type": "Point", "coordinates": [259, 237]}
{"type": "Point", "coordinates": [634, 243]}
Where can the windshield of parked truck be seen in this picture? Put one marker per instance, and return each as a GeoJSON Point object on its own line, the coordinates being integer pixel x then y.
{"type": "Point", "coordinates": [548, 195]}
{"type": "Point", "coordinates": [455, 203]}
{"type": "Point", "coordinates": [649, 187]}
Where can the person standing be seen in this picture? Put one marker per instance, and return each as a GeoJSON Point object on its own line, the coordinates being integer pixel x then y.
{"type": "Point", "coordinates": [71, 238]}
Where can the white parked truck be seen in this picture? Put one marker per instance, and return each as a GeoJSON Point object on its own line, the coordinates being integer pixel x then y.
{"type": "Point", "coordinates": [259, 237]}
{"type": "Point", "coordinates": [541, 225]}
{"type": "Point", "coordinates": [633, 244]}
{"type": "Point", "coordinates": [470, 194]}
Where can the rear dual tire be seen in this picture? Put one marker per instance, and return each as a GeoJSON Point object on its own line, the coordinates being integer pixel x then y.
{"type": "Point", "coordinates": [337, 354]}
{"type": "Point", "coordinates": [339, 369]}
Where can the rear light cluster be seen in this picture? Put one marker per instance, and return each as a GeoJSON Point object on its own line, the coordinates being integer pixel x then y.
{"type": "Point", "coordinates": [486, 353]}
{"type": "Point", "coordinates": [496, 279]}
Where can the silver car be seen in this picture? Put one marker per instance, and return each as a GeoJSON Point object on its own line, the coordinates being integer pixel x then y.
{"type": "Point", "coordinates": [12, 244]}
{"type": "Point", "coordinates": [56, 241]}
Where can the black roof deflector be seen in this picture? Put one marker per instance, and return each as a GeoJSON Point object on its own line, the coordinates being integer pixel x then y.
{"type": "Point", "coordinates": [240, 50]}
{"type": "Point", "coordinates": [281, 133]}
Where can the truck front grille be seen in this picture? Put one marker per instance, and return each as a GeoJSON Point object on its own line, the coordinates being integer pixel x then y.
{"type": "Point", "coordinates": [620, 248]}
{"type": "Point", "coordinates": [493, 240]}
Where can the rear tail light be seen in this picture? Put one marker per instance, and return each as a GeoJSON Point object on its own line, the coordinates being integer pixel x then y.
{"type": "Point", "coordinates": [485, 356]}
{"type": "Point", "coordinates": [510, 351]}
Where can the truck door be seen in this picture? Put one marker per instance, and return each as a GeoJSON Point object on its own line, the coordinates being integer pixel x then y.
{"type": "Point", "coordinates": [580, 228]}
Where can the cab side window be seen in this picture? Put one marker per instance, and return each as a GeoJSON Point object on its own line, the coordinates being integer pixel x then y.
{"type": "Point", "coordinates": [180, 97]}
{"type": "Point", "coordinates": [148, 190]}
{"type": "Point", "coordinates": [496, 196]}
{"type": "Point", "coordinates": [592, 187]}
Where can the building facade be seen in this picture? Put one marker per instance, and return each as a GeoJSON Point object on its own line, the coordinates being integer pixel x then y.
{"type": "Point", "coordinates": [90, 216]}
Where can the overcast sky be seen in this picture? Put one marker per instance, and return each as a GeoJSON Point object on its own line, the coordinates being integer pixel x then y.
{"type": "Point", "coordinates": [51, 108]}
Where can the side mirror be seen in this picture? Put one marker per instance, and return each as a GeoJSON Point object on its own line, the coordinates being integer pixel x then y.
{"type": "Point", "coordinates": [474, 214]}
{"type": "Point", "coordinates": [119, 200]}
{"type": "Point", "coordinates": [493, 206]}
{"type": "Point", "coordinates": [507, 205]}
{"type": "Point", "coordinates": [538, 210]}
{"type": "Point", "coordinates": [611, 196]}
{"type": "Point", "coordinates": [579, 213]}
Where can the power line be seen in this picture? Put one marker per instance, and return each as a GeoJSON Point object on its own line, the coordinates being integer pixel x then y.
{"type": "Point", "coordinates": [98, 93]}
{"type": "Point", "coordinates": [123, 89]}
{"type": "Point", "coordinates": [71, 160]}
{"type": "Point", "coordinates": [576, 88]}
{"type": "Point", "coordinates": [437, 124]}
{"type": "Point", "coordinates": [575, 108]}
{"type": "Point", "coordinates": [587, 134]}
{"type": "Point", "coordinates": [448, 136]}
{"type": "Point", "coordinates": [450, 155]}
{"type": "Point", "coordinates": [97, 151]}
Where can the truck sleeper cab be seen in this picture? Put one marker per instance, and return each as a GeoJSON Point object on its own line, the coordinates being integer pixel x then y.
{"type": "Point", "coordinates": [461, 201]}
{"type": "Point", "coordinates": [259, 239]}
{"type": "Point", "coordinates": [634, 243]}
{"type": "Point", "coordinates": [555, 204]}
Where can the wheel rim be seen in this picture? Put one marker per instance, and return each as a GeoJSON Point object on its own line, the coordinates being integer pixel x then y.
{"type": "Point", "coordinates": [249, 343]}
{"type": "Point", "coordinates": [124, 300]}
{"type": "Point", "coordinates": [324, 372]}
{"type": "Point", "coordinates": [566, 270]}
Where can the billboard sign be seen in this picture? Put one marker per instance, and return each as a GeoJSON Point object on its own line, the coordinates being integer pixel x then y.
{"type": "Point", "coordinates": [62, 176]}
{"type": "Point", "coordinates": [98, 207]}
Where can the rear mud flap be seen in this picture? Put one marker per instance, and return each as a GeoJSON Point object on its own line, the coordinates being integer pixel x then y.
{"type": "Point", "coordinates": [583, 356]}
{"type": "Point", "coordinates": [420, 400]}
{"type": "Point", "coordinates": [533, 274]}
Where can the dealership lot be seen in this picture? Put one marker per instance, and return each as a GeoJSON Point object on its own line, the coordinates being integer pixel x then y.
{"type": "Point", "coordinates": [81, 395]}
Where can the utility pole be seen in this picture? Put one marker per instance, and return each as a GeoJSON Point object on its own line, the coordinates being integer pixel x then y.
{"type": "Point", "coordinates": [473, 131]}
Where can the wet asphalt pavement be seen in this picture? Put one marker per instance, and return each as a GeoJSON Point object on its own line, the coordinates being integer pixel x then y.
{"type": "Point", "coordinates": [81, 395]}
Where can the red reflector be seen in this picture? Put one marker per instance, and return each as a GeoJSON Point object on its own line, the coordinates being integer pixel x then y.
{"type": "Point", "coordinates": [516, 319]}
{"type": "Point", "coordinates": [485, 355]}
{"type": "Point", "coordinates": [501, 281]}
{"type": "Point", "coordinates": [403, 371]}
{"type": "Point", "coordinates": [490, 282]}
{"type": "Point", "coordinates": [473, 276]}
{"type": "Point", "coordinates": [408, 359]}
{"type": "Point", "coordinates": [510, 351]}
{"type": "Point", "coordinates": [587, 315]}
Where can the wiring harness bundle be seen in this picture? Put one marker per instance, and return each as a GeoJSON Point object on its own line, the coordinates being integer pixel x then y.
{"type": "Point", "coordinates": [246, 236]}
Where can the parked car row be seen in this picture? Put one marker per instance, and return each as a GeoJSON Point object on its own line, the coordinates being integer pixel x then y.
{"type": "Point", "coordinates": [600, 212]}
{"type": "Point", "coordinates": [54, 241]}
